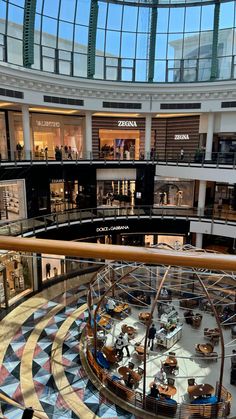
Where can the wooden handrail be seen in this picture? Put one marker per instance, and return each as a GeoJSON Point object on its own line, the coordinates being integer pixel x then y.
{"type": "Point", "coordinates": [125, 253]}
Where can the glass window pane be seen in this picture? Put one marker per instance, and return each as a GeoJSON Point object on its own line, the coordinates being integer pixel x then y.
{"type": "Point", "coordinates": [224, 68]}
{"type": "Point", "coordinates": [227, 15]}
{"type": "Point", "coordinates": [175, 45]}
{"type": "Point", "coordinates": [49, 28]}
{"type": "Point", "coordinates": [64, 68]}
{"type": "Point", "coordinates": [39, 4]}
{"type": "Point", "coordinates": [2, 9]}
{"type": "Point", "coordinates": [206, 39]}
{"type": "Point", "coordinates": [161, 45]}
{"type": "Point", "coordinates": [160, 71]}
{"type": "Point", "coordinates": [130, 18]}
{"type": "Point", "coordinates": [14, 51]}
{"type": "Point", "coordinates": [51, 8]}
{"type": "Point", "coordinates": [36, 64]}
{"type": "Point", "coordinates": [18, 2]}
{"type": "Point", "coordinates": [141, 70]}
{"type": "Point", "coordinates": [81, 39]}
{"type": "Point", "coordinates": [99, 68]}
{"type": "Point", "coordinates": [173, 75]}
{"type": "Point", "coordinates": [142, 46]}
{"type": "Point", "coordinates": [37, 28]}
{"type": "Point", "coordinates": [100, 42]}
{"type": "Point", "coordinates": [65, 35]}
{"type": "Point", "coordinates": [15, 15]}
{"type": "Point", "coordinates": [128, 45]}
{"type": "Point", "coordinates": [102, 15]}
{"type": "Point", "coordinates": [143, 19]}
{"type": "Point", "coordinates": [207, 20]}
{"type": "Point", "coordinates": [192, 19]}
{"type": "Point", "coordinates": [80, 65]}
{"type": "Point", "coordinates": [127, 74]}
{"type": "Point", "coordinates": [83, 12]}
{"type": "Point", "coordinates": [191, 45]}
{"type": "Point", "coordinates": [114, 17]}
{"type": "Point", "coordinates": [111, 73]}
{"type": "Point", "coordinates": [113, 43]}
{"type": "Point", "coordinates": [225, 42]}
{"type": "Point", "coordinates": [162, 20]}
{"type": "Point", "coordinates": [204, 70]}
{"type": "Point", "coordinates": [48, 65]}
{"type": "Point", "coordinates": [176, 19]}
{"type": "Point", "coordinates": [67, 10]}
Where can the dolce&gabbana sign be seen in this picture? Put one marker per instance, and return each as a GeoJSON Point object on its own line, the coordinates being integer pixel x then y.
{"type": "Point", "coordinates": [127, 124]}
{"type": "Point", "coordinates": [112, 228]}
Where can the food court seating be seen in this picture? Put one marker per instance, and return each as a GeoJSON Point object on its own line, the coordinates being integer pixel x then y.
{"type": "Point", "coordinates": [191, 381]}
{"type": "Point", "coordinates": [189, 300]}
{"type": "Point", "coordinates": [161, 407]}
{"type": "Point", "coordinates": [110, 354]}
{"type": "Point", "coordinates": [120, 390]}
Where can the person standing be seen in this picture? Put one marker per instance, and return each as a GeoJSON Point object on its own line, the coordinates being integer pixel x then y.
{"type": "Point", "coordinates": [48, 270]}
{"type": "Point", "coordinates": [126, 344]}
{"type": "Point", "coordinates": [119, 344]}
{"type": "Point", "coordinates": [181, 154]}
{"type": "Point", "coordinates": [151, 336]}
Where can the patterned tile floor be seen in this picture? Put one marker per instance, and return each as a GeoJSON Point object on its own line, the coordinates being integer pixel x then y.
{"type": "Point", "coordinates": [50, 399]}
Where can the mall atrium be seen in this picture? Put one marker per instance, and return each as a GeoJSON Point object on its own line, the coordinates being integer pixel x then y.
{"type": "Point", "coordinates": [117, 209]}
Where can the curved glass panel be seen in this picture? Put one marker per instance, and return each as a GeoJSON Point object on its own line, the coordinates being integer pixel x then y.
{"type": "Point", "coordinates": [135, 41]}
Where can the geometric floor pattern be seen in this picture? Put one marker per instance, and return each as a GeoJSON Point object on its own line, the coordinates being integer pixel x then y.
{"type": "Point", "coordinates": [45, 387]}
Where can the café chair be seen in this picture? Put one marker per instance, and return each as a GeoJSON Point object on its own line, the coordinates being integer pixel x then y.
{"type": "Point", "coordinates": [171, 382]}
{"type": "Point", "coordinates": [131, 365]}
{"type": "Point", "coordinates": [140, 371]}
{"type": "Point", "coordinates": [171, 354]}
{"type": "Point", "coordinates": [191, 382]}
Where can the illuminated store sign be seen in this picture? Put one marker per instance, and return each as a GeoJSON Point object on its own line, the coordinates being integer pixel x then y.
{"type": "Point", "coordinates": [52, 124]}
{"type": "Point", "coordinates": [112, 228]}
{"type": "Point", "coordinates": [181, 137]}
{"type": "Point", "coordinates": [127, 124]}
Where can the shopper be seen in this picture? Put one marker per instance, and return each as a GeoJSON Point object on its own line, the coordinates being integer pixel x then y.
{"type": "Point", "coordinates": [110, 306]}
{"type": "Point", "coordinates": [154, 391]}
{"type": "Point", "coordinates": [181, 154]}
{"type": "Point", "coordinates": [48, 270]}
{"type": "Point", "coordinates": [161, 376]}
{"type": "Point", "coordinates": [151, 336]}
{"type": "Point", "coordinates": [119, 344]}
{"type": "Point", "coordinates": [69, 153]}
{"type": "Point", "coordinates": [126, 344]}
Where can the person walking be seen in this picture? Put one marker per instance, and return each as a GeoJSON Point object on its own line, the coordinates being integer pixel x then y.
{"type": "Point", "coordinates": [151, 336]}
{"type": "Point", "coordinates": [119, 345]}
{"type": "Point", "coordinates": [126, 344]}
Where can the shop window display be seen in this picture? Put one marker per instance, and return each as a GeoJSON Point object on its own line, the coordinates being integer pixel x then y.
{"type": "Point", "coordinates": [64, 195]}
{"type": "Point", "coordinates": [173, 192]}
{"type": "Point", "coordinates": [19, 276]}
{"type": "Point", "coordinates": [118, 193]}
{"type": "Point", "coordinates": [12, 200]}
{"type": "Point", "coordinates": [119, 145]}
{"type": "Point", "coordinates": [52, 266]}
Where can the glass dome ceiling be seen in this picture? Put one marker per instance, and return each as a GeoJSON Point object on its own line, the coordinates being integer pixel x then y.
{"type": "Point", "coordinates": [122, 40]}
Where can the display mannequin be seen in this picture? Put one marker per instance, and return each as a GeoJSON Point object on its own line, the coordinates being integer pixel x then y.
{"type": "Point", "coordinates": [179, 196]}
{"type": "Point", "coordinates": [48, 270]}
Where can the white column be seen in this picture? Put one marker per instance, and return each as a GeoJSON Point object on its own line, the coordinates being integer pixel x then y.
{"type": "Point", "coordinates": [88, 135]}
{"type": "Point", "coordinates": [26, 131]}
{"type": "Point", "coordinates": [201, 197]}
{"type": "Point", "coordinates": [199, 237]}
{"type": "Point", "coordinates": [210, 132]}
{"type": "Point", "coordinates": [148, 133]}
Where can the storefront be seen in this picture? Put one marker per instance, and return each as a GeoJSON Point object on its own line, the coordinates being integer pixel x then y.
{"type": "Point", "coordinates": [116, 188]}
{"type": "Point", "coordinates": [12, 200]}
{"type": "Point", "coordinates": [16, 277]}
{"type": "Point", "coordinates": [64, 195]}
{"type": "Point", "coordinates": [52, 266]}
{"type": "Point", "coordinates": [173, 192]}
{"type": "Point", "coordinates": [53, 137]}
{"type": "Point", "coordinates": [118, 138]}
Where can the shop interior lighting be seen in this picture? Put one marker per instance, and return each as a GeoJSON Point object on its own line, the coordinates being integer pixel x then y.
{"type": "Point", "coordinates": [53, 110]}
{"type": "Point", "coordinates": [119, 115]}
{"type": "Point", "coordinates": [3, 104]}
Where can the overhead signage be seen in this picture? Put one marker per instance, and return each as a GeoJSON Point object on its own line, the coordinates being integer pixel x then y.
{"type": "Point", "coordinates": [181, 137]}
{"type": "Point", "coordinates": [112, 228]}
{"type": "Point", "coordinates": [51, 124]}
{"type": "Point", "coordinates": [127, 124]}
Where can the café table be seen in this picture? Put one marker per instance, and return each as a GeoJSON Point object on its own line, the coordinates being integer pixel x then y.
{"type": "Point", "coordinates": [139, 349]}
{"type": "Point", "coordinates": [124, 371]}
{"type": "Point", "coordinates": [171, 361]}
{"type": "Point", "coordinates": [121, 307]}
{"type": "Point", "coordinates": [104, 321]}
{"type": "Point", "coordinates": [165, 390]}
{"type": "Point", "coordinates": [205, 348]}
{"type": "Point", "coordinates": [200, 390]}
{"type": "Point", "coordinates": [130, 330]}
{"type": "Point", "coordinates": [144, 316]}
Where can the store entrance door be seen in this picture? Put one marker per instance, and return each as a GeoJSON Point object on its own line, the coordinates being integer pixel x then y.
{"type": "Point", "coordinates": [119, 145]}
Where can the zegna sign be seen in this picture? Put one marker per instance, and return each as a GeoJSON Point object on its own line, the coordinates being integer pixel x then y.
{"type": "Point", "coordinates": [181, 136]}
{"type": "Point", "coordinates": [127, 124]}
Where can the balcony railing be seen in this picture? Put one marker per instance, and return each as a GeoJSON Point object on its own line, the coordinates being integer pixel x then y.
{"type": "Point", "coordinates": [31, 226]}
{"type": "Point", "coordinates": [198, 158]}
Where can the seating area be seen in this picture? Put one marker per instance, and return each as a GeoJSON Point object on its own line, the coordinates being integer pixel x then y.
{"type": "Point", "coordinates": [176, 358]}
